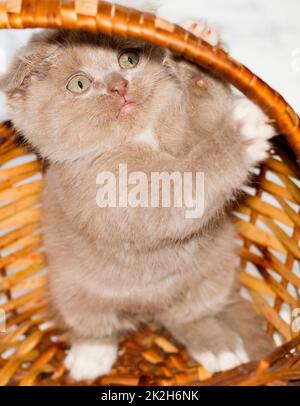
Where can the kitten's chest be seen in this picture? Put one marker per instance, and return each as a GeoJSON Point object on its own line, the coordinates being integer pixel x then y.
{"type": "Point", "coordinates": [175, 141]}
{"type": "Point", "coordinates": [147, 136]}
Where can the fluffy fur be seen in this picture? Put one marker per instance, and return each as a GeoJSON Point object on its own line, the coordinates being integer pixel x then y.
{"type": "Point", "coordinates": [111, 269]}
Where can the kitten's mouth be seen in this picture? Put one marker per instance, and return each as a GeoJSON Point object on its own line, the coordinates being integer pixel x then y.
{"type": "Point", "coordinates": [127, 107]}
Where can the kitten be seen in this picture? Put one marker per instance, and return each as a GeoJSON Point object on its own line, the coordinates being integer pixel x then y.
{"type": "Point", "coordinates": [88, 103]}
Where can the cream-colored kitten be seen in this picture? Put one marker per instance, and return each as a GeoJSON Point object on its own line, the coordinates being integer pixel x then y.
{"type": "Point", "coordinates": [88, 103]}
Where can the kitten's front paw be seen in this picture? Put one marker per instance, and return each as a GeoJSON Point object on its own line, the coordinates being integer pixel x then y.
{"type": "Point", "coordinates": [255, 128]}
{"type": "Point", "coordinates": [201, 30]}
{"type": "Point", "coordinates": [88, 361]}
{"type": "Point", "coordinates": [222, 361]}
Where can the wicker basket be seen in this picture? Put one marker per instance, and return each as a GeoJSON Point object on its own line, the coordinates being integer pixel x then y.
{"type": "Point", "coordinates": [31, 348]}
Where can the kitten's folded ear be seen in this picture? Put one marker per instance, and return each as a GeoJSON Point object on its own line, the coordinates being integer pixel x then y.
{"type": "Point", "coordinates": [180, 68]}
{"type": "Point", "coordinates": [34, 60]}
{"type": "Point", "coordinates": [15, 79]}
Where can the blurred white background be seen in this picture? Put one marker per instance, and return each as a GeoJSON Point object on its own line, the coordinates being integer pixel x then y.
{"type": "Point", "coordinates": [263, 34]}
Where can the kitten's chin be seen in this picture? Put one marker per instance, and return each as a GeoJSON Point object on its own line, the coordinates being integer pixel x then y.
{"type": "Point", "coordinates": [126, 109]}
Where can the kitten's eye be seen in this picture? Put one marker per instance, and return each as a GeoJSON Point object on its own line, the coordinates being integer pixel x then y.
{"type": "Point", "coordinates": [79, 84]}
{"type": "Point", "coordinates": [129, 59]}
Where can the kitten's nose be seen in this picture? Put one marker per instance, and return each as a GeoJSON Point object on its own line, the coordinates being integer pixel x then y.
{"type": "Point", "coordinates": [118, 85]}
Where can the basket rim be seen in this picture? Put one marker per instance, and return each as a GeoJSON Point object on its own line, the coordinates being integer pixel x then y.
{"type": "Point", "coordinates": [111, 19]}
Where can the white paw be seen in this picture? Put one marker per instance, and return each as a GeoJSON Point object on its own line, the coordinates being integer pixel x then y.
{"type": "Point", "coordinates": [255, 129]}
{"type": "Point", "coordinates": [201, 30]}
{"type": "Point", "coordinates": [223, 361]}
{"type": "Point", "coordinates": [88, 361]}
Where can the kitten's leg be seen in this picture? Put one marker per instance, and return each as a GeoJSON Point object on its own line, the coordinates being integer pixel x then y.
{"type": "Point", "coordinates": [255, 129]}
{"type": "Point", "coordinates": [254, 124]}
{"type": "Point", "coordinates": [241, 318]}
{"type": "Point", "coordinates": [224, 341]}
{"type": "Point", "coordinates": [211, 343]}
{"type": "Point", "coordinates": [202, 31]}
{"type": "Point", "coordinates": [87, 360]}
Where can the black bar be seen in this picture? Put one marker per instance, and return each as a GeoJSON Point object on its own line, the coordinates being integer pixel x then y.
{"type": "Point", "coordinates": [133, 395]}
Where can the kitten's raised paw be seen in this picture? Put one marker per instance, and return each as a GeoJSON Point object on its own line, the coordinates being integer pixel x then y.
{"type": "Point", "coordinates": [201, 30]}
{"type": "Point", "coordinates": [88, 361]}
{"type": "Point", "coordinates": [255, 128]}
{"type": "Point", "coordinates": [222, 361]}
